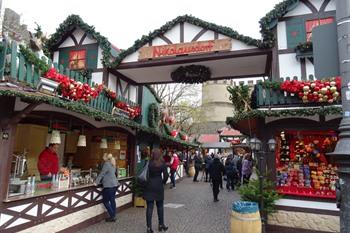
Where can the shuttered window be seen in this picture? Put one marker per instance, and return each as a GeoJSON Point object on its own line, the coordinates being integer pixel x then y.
{"type": "Point", "coordinates": [295, 32]}
{"type": "Point", "coordinates": [310, 24]}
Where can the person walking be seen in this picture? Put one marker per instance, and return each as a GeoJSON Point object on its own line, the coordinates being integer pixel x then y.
{"type": "Point", "coordinates": [110, 183]}
{"type": "Point", "coordinates": [247, 168]}
{"type": "Point", "coordinates": [174, 163]}
{"type": "Point", "coordinates": [237, 160]}
{"type": "Point", "coordinates": [197, 166]}
{"type": "Point", "coordinates": [207, 161]}
{"type": "Point", "coordinates": [216, 170]}
{"type": "Point", "coordinates": [154, 190]}
{"type": "Point", "coordinates": [231, 172]}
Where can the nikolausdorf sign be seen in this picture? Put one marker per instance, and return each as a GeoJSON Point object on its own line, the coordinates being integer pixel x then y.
{"type": "Point", "coordinates": [184, 48]}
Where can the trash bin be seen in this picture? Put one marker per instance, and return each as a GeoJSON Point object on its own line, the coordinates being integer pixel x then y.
{"type": "Point", "coordinates": [245, 217]}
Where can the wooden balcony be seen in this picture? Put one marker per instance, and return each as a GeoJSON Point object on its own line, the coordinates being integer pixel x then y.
{"type": "Point", "coordinates": [263, 97]}
{"type": "Point", "coordinates": [16, 68]}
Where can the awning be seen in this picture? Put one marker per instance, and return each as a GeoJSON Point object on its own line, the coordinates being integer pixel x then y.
{"type": "Point", "coordinates": [253, 62]}
{"type": "Point", "coordinates": [217, 145]}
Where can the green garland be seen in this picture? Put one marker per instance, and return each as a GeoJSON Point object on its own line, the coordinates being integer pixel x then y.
{"type": "Point", "coordinates": [322, 111]}
{"type": "Point", "coordinates": [181, 19]}
{"type": "Point", "coordinates": [167, 129]}
{"type": "Point", "coordinates": [191, 74]}
{"type": "Point", "coordinates": [304, 47]}
{"type": "Point", "coordinates": [270, 20]}
{"type": "Point", "coordinates": [69, 24]}
{"type": "Point", "coordinates": [154, 93]}
{"type": "Point", "coordinates": [267, 84]}
{"type": "Point", "coordinates": [86, 110]}
{"type": "Point", "coordinates": [153, 115]}
{"type": "Point", "coordinates": [240, 97]}
{"type": "Point", "coordinates": [33, 59]}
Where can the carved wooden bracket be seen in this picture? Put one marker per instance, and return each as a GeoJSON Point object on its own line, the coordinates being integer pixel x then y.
{"type": "Point", "coordinates": [18, 115]}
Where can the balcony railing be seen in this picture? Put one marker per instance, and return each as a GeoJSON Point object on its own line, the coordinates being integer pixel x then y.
{"type": "Point", "coordinates": [274, 98]}
{"type": "Point", "coordinates": [15, 68]}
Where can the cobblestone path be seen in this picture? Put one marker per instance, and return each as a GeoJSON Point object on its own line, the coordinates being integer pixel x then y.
{"type": "Point", "coordinates": [199, 214]}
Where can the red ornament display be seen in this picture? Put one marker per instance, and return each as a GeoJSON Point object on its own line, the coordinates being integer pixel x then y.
{"type": "Point", "coordinates": [174, 133]}
{"type": "Point", "coordinates": [319, 91]}
{"type": "Point", "coordinates": [72, 89]}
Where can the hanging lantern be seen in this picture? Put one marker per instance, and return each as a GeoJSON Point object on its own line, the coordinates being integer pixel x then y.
{"type": "Point", "coordinates": [82, 141]}
{"type": "Point", "coordinates": [117, 145]}
{"type": "Point", "coordinates": [55, 137]}
{"type": "Point", "coordinates": [103, 144]}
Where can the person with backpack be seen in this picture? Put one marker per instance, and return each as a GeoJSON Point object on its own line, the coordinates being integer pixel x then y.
{"type": "Point", "coordinates": [174, 163]}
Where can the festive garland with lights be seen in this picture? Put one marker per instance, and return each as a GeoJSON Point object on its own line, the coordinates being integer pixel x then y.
{"type": "Point", "coordinates": [153, 115]}
{"type": "Point", "coordinates": [270, 20]}
{"type": "Point", "coordinates": [254, 114]}
{"type": "Point", "coordinates": [191, 74]}
{"type": "Point", "coordinates": [88, 111]}
{"type": "Point", "coordinates": [73, 21]}
{"type": "Point", "coordinates": [181, 19]}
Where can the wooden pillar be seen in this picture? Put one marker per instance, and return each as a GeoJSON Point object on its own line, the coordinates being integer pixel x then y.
{"type": "Point", "coordinates": [7, 139]}
{"type": "Point", "coordinates": [8, 122]}
{"type": "Point", "coordinates": [132, 142]}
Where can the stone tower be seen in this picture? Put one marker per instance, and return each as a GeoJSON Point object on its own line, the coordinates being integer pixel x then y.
{"type": "Point", "coordinates": [216, 105]}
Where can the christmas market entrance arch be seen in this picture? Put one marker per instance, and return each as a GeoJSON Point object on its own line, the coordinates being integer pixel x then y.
{"type": "Point", "coordinates": [190, 50]}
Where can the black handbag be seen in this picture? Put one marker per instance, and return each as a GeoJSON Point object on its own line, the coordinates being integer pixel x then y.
{"type": "Point", "coordinates": [142, 179]}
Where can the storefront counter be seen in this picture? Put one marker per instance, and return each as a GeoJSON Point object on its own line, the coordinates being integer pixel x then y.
{"type": "Point", "coordinates": [60, 209]}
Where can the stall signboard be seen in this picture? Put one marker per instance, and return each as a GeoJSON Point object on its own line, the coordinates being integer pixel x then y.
{"type": "Point", "coordinates": [197, 47]}
{"type": "Point", "coordinates": [120, 112]}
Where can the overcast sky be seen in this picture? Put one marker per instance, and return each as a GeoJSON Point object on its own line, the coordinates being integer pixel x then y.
{"type": "Point", "coordinates": [124, 21]}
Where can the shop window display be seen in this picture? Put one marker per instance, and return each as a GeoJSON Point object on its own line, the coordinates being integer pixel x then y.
{"type": "Point", "coordinates": [302, 167]}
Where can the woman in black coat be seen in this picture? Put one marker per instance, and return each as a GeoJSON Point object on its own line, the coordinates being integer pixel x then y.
{"type": "Point", "coordinates": [154, 190]}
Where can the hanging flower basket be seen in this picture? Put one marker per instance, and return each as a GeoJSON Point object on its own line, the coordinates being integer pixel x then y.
{"type": "Point", "coordinates": [191, 74]}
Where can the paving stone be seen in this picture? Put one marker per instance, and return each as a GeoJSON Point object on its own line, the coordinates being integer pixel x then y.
{"type": "Point", "coordinates": [197, 215]}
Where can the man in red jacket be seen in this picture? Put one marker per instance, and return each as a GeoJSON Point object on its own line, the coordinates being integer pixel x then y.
{"type": "Point", "coordinates": [48, 162]}
{"type": "Point", "coordinates": [174, 163]}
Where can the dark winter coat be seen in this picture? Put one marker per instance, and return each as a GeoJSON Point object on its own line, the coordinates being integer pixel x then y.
{"type": "Point", "coordinates": [230, 168]}
{"type": "Point", "coordinates": [216, 169]}
{"type": "Point", "coordinates": [197, 162]}
{"type": "Point", "coordinates": [208, 160]}
{"type": "Point", "coordinates": [154, 190]}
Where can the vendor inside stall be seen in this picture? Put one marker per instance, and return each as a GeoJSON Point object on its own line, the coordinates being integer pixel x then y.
{"type": "Point", "coordinates": [60, 152]}
{"type": "Point", "coordinates": [48, 162]}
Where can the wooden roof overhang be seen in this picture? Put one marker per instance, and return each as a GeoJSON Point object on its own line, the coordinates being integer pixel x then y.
{"type": "Point", "coordinates": [253, 62]}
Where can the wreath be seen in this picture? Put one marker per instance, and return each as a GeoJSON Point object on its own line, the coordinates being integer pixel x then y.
{"type": "Point", "coordinates": [153, 115]}
{"type": "Point", "coordinates": [191, 74]}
